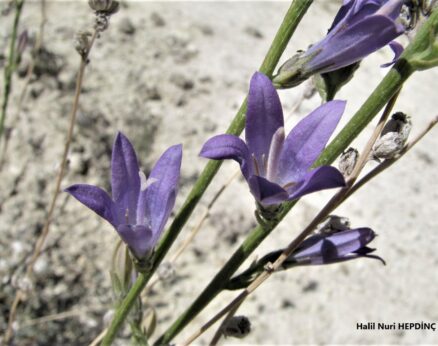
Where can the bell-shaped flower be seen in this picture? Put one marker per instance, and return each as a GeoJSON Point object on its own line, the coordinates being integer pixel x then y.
{"type": "Point", "coordinates": [278, 168]}
{"type": "Point", "coordinates": [360, 28]}
{"type": "Point", "coordinates": [333, 248]}
{"type": "Point", "coordinates": [318, 249]}
{"type": "Point", "coordinates": [139, 207]}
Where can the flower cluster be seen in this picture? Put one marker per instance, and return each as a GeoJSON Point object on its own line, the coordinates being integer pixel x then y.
{"type": "Point", "coordinates": [277, 167]}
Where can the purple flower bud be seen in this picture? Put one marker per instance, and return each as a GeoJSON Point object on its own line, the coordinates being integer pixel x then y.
{"type": "Point", "coordinates": [333, 248]}
{"type": "Point", "coordinates": [278, 168]}
{"type": "Point", "coordinates": [138, 208]}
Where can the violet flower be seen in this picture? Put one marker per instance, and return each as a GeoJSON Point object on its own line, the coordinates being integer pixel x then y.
{"type": "Point", "coordinates": [318, 249]}
{"type": "Point", "coordinates": [278, 168]}
{"type": "Point", "coordinates": [139, 208]}
{"type": "Point", "coordinates": [333, 248]}
{"type": "Point", "coordinates": [360, 28]}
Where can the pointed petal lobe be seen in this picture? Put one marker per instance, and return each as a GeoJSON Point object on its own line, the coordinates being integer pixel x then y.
{"type": "Point", "coordinates": [224, 147]}
{"type": "Point", "coordinates": [263, 117]}
{"type": "Point", "coordinates": [159, 198]}
{"type": "Point", "coordinates": [307, 139]}
{"type": "Point", "coordinates": [125, 179]}
{"type": "Point", "coordinates": [321, 178]}
{"type": "Point", "coordinates": [96, 199]}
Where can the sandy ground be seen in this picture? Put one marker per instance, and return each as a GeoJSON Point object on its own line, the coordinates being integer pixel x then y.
{"type": "Point", "coordinates": [167, 73]}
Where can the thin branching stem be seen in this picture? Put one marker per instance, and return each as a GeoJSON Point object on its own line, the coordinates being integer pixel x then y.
{"type": "Point", "coordinates": [38, 44]}
{"type": "Point", "coordinates": [389, 162]}
{"type": "Point", "coordinates": [292, 18]}
{"type": "Point", "coordinates": [220, 331]}
{"type": "Point", "coordinates": [11, 65]}
{"type": "Point", "coordinates": [365, 155]}
{"type": "Point", "coordinates": [42, 238]}
{"type": "Point", "coordinates": [332, 204]}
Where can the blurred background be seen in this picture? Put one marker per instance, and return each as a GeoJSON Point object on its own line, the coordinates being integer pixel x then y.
{"type": "Point", "coordinates": [176, 72]}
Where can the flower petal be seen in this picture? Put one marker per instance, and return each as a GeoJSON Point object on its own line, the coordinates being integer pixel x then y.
{"type": "Point", "coordinates": [334, 248]}
{"type": "Point", "coordinates": [307, 139]}
{"type": "Point", "coordinates": [352, 44]}
{"type": "Point", "coordinates": [158, 199]}
{"type": "Point", "coordinates": [125, 179]}
{"type": "Point", "coordinates": [397, 48]}
{"type": "Point", "coordinates": [321, 178]}
{"type": "Point", "coordinates": [391, 9]}
{"type": "Point", "coordinates": [354, 10]}
{"type": "Point", "coordinates": [96, 199]}
{"type": "Point", "coordinates": [263, 117]}
{"type": "Point", "coordinates": [265, 192]}
{"type": "Point", "coordinates": [139, 238]}
{"type": "Point", "coordinates": [224, 147]}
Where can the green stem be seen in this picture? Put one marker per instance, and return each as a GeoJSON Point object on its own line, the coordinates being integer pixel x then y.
{"type": "Point", "coordinates": [387, 88]}
{"type": "Point", "coordinates": [257, 235]}
{"type": "Point", "coordinates": [11, 65]}
{"type": "Point", "coordinates": [290, 22]}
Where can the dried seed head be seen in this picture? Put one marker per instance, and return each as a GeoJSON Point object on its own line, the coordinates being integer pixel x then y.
{"type": "Point", "coordinates": [333, 224]}
{"type": "Point", "coordinates": [102, 22]}
{"type": "Point", "coordinates": [82, 43]}
{"type": "Point", "coordinates": [107, 7]}
{"type": "Point", "coordinates": [400, 123]}
{"type": "Point", "coordinates": [347, 161]}
{"type": "Point", "coordinates": [237, 327]}
{"type": "Point", "coordinates": [393, 137]}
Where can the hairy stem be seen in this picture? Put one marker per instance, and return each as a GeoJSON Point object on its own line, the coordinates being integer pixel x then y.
{"type": "Point", "coordinates": [292, 18]}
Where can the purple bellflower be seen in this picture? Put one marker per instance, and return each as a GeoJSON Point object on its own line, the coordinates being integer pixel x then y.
{"type": "Point", "coordinates": [360, 28]}
{"type": "Point", "coordinates": [333, 248]}
{"type": "Point", "coordinates": [278, 168]}
{"type": "Point", "coordinates": [139, 207]}
{"type": "Point", "coordinates": [318, 249]}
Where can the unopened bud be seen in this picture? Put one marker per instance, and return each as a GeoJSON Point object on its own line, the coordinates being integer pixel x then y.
{"type": "Point", "coordinates": [107, 7]}
{"type": "Point", "coordinates": [393, 138]}
{"type": "Point", "coordinates": [333, 224]}
{"type": "Point", "coordinates": [237, 327]}
{"type": "Point", "coordinates": [149, 322]}
{"type": "Point", "coordinates": [122, 270]}
{"type": "Point", "coordinates": [347, 161]}
{"type": "Point", "coordinates": [291, 74]}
